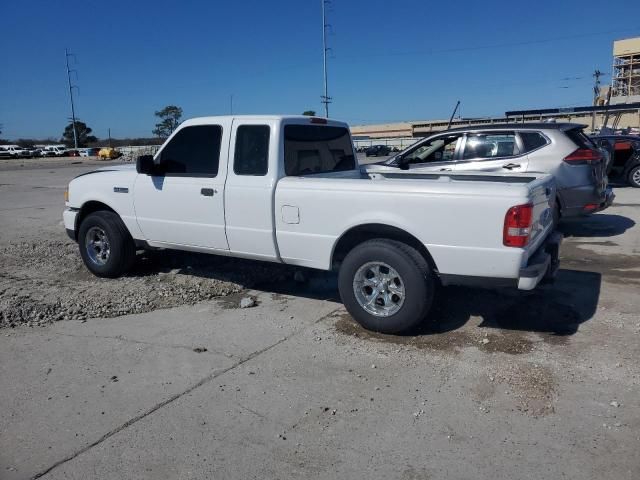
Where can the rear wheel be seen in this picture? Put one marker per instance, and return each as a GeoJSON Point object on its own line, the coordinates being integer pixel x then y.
{"type": "Point", "coordinates": [633, 177]}
{"type": "Point", "coordinates": [106, 247]}
{"type": "Point", "coordinates": [386, 286]}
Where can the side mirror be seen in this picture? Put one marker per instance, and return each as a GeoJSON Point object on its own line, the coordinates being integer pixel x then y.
{"type": "Point", "coordinates": [145, 164]}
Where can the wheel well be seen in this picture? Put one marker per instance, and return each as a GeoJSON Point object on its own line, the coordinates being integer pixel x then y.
{"type": "Point", "coordinates": [362, 233]}
{"type": "Point", "coordinates": [87, 209]}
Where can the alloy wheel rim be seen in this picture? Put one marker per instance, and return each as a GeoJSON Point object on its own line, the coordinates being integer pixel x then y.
{"type": "Point", "coordinates": [379, 289]}
{"type": "Point", "coordinates": [97, 246]}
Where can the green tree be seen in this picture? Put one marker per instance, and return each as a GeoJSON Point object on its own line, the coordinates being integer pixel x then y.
{"type": "Point", "coordinates": [83, 132]}
{"type": "Point", "coordinates": [309, 113]}
{"type": "Point", "coordinates": [169, 119]}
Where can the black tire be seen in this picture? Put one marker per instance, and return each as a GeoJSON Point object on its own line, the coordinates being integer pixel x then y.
{"type": "Point", "coordinates": [121, 247]}
{"type": "Point", "coordinates": [633, 176]}
{"type": "Point", "coordinates": [415, 275]}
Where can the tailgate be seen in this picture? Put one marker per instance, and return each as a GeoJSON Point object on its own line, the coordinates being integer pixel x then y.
{"type": "Point", "coordinates": [542, 195]}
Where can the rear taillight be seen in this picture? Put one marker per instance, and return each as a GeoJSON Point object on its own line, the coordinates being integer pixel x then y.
{"type": "Point", "coordinates": [583, 156]}
{"type": "Point", "coordinates": [517, 225]}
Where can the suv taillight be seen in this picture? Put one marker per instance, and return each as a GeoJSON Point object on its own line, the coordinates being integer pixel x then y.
{"type": "Point", "coordinates": [517, 226]}
{"type": "Point", "coordinates": [583, 156]}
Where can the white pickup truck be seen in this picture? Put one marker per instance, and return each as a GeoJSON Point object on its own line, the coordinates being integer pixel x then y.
{"type": "Point", "coordinates": [288, 189]}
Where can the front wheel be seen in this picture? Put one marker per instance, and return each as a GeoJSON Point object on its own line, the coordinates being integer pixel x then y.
{"type": "Point", "coordinates": [633, 177]}
{"type": "Point", "coordinates": [386, 286]}
{"type": "Point", "coordinates": [106, 247]}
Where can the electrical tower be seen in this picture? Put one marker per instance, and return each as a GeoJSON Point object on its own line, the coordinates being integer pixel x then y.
{"type": "Point", "coordinates": [596, 94]}
{"type": "Point", "coordinates": [326, 99]}
{"type": "Point", "coordinates": [71, 87]}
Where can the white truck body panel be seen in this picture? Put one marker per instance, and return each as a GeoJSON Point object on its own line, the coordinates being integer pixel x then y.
{"type": "Point", "coordinates": [299, 220]}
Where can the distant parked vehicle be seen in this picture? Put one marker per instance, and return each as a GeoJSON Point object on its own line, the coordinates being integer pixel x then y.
{"type": "Point", "coordinates": [625, 152]}
{"type": "Point", "coordinates": [16, 151]}
{"type": "Point", "coordinates": [32, 151]}
{"type": "Point", "coordinates": [72, 153]}
{"type": "Point", "coordinates": [4, 153]}
{"type": "Point", "coordinates": [377, 151]}
{"type": "Point", "coordinates": [54, 151]}
{"type": "Point", "coordinates": [109, 153]}
{"type": "Point", "coordinates": [561, 149]}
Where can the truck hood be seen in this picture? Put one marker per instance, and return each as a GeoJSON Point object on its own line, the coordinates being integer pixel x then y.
{"type": "Point", "coordinates": [114, 168]}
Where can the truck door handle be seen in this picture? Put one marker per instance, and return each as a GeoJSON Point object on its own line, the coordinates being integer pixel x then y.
{"type": "Point", "coordinates": [207, 192]}
{"type": "Point", "coordinates": [445, 169]}
{"type": "Point", "coordinates": [510, 166]}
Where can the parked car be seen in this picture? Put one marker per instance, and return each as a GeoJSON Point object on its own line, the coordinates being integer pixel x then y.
{"type": "Point", "coordinates": [289, 190]}
{"type": "Point", "coordinates": [89, 152]}
{"type": "Point", "coordinates": [377, 151]}
{"type": "Point", "coordinates": [72, 153]}
{"type": "Point", "coordinates": [32, 151]}
{"type": "Point", "coordinates": [4, 153]}
{"type": "Point", "coordinates": [16, 151]}
{"type": "Point", "coordinates": [54, 151]}
{"type": "Point", "coordinates": [109, 153]}
{"type": "Point", "coordinates": [625, 156]}
{"type": "Point", "coordinates": [561, 149]}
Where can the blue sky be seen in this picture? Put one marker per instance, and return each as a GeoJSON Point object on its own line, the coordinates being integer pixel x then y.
{"type": "Point", "coordinates": [391, 61]}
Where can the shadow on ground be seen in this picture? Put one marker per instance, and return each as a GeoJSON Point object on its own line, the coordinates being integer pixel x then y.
{"type": "Point", "coordinates": [598, 225]}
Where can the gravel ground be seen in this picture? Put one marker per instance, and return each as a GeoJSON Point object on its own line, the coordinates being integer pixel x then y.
{"type": "Point", "coordinates": [42, 282]}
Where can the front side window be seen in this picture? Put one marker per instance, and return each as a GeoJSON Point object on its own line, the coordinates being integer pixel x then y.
{"type": "Point", "coordinates": [488, 146]}
{"type": "Point", "coordinates": [252, 150]}
{"type": "Point", "coordinates": [441, 149]}
{"type": "Point", "coordinates": [193, 151]}
{"type": "Point", "coordinates": [317, 149]}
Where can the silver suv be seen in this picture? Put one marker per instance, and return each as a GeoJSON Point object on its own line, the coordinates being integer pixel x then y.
{"type": "Point", "coordinates": [561, 149]}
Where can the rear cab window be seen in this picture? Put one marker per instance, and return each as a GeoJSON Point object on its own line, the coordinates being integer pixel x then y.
{"type": "Point", "coordinates": [311, 149]}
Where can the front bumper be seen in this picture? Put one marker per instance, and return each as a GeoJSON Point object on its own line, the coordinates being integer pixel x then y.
{"type": "Point", "coordinates": [542, 265]}
{"type": "Point", "coordinates": [69, 219]}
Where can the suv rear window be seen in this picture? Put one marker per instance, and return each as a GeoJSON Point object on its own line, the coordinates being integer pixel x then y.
{"type": "Point", "coordinates": [532, 141]}
{"type": "Point", "coordinates": [314, 149]}
{"type": "Point", "coordinates": [578, 137]}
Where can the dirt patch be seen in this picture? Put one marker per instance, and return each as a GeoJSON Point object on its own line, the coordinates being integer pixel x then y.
{"type": "Point", "coordinates": [532, 386]}
{"type": "Point", "coordinates": [41, 282]}
{"type": "Point", "coordinates": [510, 342]}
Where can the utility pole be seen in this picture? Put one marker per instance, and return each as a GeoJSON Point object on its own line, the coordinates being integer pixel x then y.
{"type": "Point", "coordinates": [596, 93]}
{"type": "Point", "coordinates": [71, 87]}
{"type": "Point", "coordinates": [326, 99]}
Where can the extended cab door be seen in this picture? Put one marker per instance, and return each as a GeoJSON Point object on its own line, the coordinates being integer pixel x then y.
{"type": "Point", "coordinates": [493, 151]}
{"type": "Point", "coordinates": [251, 180]}
{"type": "Point", "coordinates": [182, 203]}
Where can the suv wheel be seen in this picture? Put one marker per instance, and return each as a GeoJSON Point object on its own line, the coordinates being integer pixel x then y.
{"type": "Point", "coordinates": [633, 177]}
{"type": "Point", "coordinates": [386, 286]}
{"type": "Point", "coordinates": [106, 247]}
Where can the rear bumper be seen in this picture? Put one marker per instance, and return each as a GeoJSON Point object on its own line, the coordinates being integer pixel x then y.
{"type": "Point", "coordinates": [542, 265]}
{"type": "Point", "coordinates": [575, 199]}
